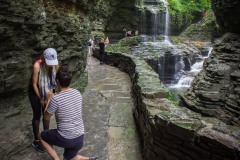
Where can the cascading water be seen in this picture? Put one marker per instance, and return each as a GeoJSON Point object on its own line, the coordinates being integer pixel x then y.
{"type": "Point", "coordinates": [186, 80]}
{"type": "Point", "coordinates": [154, 14]}
{"type": "Point", "coordinates": [174, 69]}
{"type": "Point", "coordinates": [143, 22]}
{"type": "Point", "coordinates": [167, 18]}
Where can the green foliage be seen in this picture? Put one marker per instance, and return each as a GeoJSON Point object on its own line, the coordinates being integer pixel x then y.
{"type": "Point", "coordinates": [99, 2]}
{"type": "Point", "coordinates": [190, 30]}
{"type": "Point", "coordinates": [175, 102]}
{"type": "Point", "coordinates": [119, 49]}
{"type": "Point", "coordinates": [123, 46]}
{"type": "Point", "coordinates": [170, 97]}
{"type": "Point", "coordinates": [109, 48]}
{"type": "Point", "coordinates": [182, 10]}
{"type": "Point", "coordinates": [175, 39]}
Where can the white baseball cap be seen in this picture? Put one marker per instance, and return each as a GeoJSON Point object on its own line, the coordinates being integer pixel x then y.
{"type": "Point", "coordinates": [50, 56]}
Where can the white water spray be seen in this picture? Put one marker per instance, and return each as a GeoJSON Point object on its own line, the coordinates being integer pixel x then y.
{"type": "Point", "coordinates": [167, 18]}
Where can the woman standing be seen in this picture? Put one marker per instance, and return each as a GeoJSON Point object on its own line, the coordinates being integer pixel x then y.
{"type": "Point", "coordinates": [106, 41]}
{"type": "Point", "coordinates": [41, 82]}
{"type": "Point", "coordinates": [101, 50]}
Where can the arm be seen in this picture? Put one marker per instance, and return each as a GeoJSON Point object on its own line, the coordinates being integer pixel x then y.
{"type": "Point", "coordinates": [47, 116]}
{"type": "Point", "coordinates": [36, 69]}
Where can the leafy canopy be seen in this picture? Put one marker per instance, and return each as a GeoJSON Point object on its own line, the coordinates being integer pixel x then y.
{"type": "Point", "coordinates": [185, 8]}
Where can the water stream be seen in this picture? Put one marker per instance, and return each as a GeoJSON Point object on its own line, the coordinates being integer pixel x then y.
{"type": "Point", "coordinates": [186, 77]}
{"type": "Point", "coordinates": [176, 70]}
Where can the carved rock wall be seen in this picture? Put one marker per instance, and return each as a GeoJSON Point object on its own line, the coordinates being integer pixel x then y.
{"type": "Point", "coordinates": [29, 27]}
{"type": "Point", "coordinates": [215, 91]}
{"type": "Point", "coordinates": [227, 14]}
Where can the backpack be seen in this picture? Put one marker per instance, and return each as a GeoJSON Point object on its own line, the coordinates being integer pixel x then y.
{"type": "Point", "coordinates": [89, 43]}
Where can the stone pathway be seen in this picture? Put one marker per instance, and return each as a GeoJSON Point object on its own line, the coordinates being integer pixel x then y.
{"type": "Point", "coordinates": [110, 131]}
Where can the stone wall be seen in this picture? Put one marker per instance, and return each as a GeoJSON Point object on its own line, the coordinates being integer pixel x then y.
{"type": "Point", "coordinates": [171, 132]}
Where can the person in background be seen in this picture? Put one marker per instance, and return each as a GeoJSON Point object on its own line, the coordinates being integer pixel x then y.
{"type": "Point", "coordinates": [101, 50]}
{"type": "Point", "coordinates": [136, 33]}
{"type": "Point", "coordinates": [90, 47]}
{"type": "Point", "coordinates": [125, 32]}
{"type": "Point", "coordinates": [67, 107]}
{"type": "Point", "coordinates": [41, 82]}
{"type": "Point", "coordinates": [129, 33]}
{"type": "Point", "coordinates": [106, 41]}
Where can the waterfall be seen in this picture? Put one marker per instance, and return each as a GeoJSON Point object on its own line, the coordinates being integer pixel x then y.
{"type": "Point", "coordinates": [186, 81]}
{"type": "Point", "coordinates": [210, 51]}
{"type": "Point", "coordinates": [159, 21]}
{"type": "Point", "coordinates": [143, 22]}
{"type": "Point", "coordinates": [197, 67]}
{"type": "Point", "coordinates": [167, 18]}
{"type": "Point", "coordinates": [155, 24]}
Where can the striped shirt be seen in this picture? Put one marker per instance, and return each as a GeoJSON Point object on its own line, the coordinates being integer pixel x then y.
{"type": "Point", "coordinates": [67, 106]}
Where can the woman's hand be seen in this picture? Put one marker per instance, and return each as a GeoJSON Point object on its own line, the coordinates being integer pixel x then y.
{"type": "Point", "coordinates": [42, 103]}
{"type": "Point", "coordinates": [50, 94]}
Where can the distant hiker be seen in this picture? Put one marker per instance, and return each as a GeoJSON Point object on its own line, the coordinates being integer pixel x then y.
{"type": "Point", "coordinates": [125, 32]}
{"type": "Point", "coordinates": [129, 33]}
{"type": "Point", "coordinates": [67, 107]}
{"type": "Point", "coordinates": [136, 33]}
{"type": "Point", "coordinates": [90, 47]}
{"type": "Point", "coordinates": [106, 41]}
{"type": "Point", "coordinates": [101, 50]}
{"type": "Point", "coordinates": [41, 82]}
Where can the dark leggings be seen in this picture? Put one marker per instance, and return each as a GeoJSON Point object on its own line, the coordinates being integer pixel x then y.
{"type": "Point", "coordinates": [36, 107]}
{"type": "Point", "coordinates": [101, 56]}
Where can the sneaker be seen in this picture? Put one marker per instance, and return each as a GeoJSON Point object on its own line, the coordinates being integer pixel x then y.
{"type": "Point", "coordinates": [38, 146]}
{"type": "Point", "coordinates": [93, 158]}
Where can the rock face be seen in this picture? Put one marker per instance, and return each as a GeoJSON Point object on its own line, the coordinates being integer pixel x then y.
{"type": "Point", "coordinates": [202, 31]}
{"type": "Point", "coordinates": [215, 91]}
{"type": "Point", "coordinates": [27, 28]}
{"type": "Point", "coordinates": [227, 14]}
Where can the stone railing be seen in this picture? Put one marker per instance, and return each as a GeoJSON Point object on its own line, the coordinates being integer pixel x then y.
{"type": "Point", "coordinates": [168, 131]}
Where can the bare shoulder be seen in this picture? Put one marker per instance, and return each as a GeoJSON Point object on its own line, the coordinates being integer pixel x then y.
{"type": "Point", "coordinates": [36, 66]}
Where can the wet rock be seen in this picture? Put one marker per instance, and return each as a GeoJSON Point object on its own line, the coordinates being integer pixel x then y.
{"type": "Point", "coordinates": [216, 87]}
{"type": "Point", "coordinates": [228, 21]}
